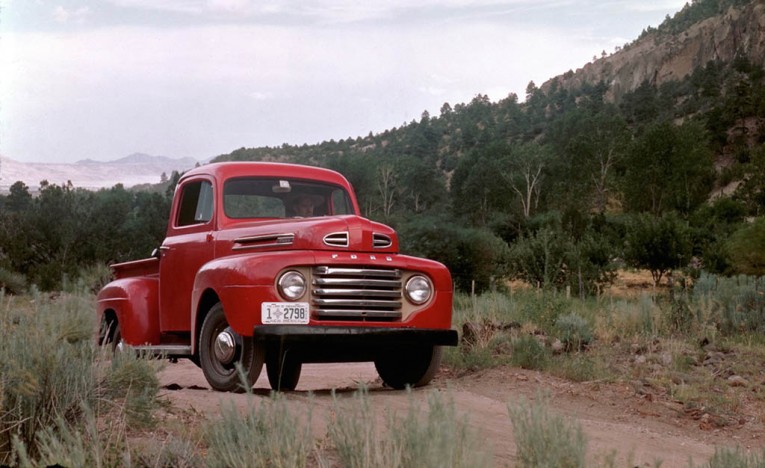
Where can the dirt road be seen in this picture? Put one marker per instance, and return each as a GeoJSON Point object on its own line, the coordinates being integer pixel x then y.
{"type": "Point", "coordinates": [640, 429]}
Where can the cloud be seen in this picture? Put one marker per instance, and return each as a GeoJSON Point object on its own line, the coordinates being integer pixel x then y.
{"type": "Point", "coordinates": [172, 6]}
{"type": "Point", "coordinates": [656, 6]}
{"type": "Point", "coordinates": [79, 15]}
{"type": "Point", "coordinates": [260, 96]}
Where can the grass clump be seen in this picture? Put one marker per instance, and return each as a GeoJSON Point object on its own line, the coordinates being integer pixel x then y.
{"type": "Point", "coordinates": [438, 438]}
{"type": "Point", "coordinates": [735, 458]}
{"type": "Point", "coordinates": [544, 439]}
{"type": "Point", "coordinates": [77, 444]}
{"type": "Point", "coordinates": [132, 378]}
{"type": "Point", "coordinates": [174, 452]}
{"type": "Point", "coordinates": [529, 353]}
{"type": "Point", "coordinates": [263, 435]}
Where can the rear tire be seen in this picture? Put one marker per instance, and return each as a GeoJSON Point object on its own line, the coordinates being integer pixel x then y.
{"type": "Point", "coordinates": [221, 349]}
{"type": "Point", "coordinates": [414, 366]}
{"type": "Point", "coordinates": [283, 370]}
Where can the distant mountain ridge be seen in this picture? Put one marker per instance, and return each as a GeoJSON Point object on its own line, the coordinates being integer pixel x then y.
{"type": "Point", "coordinates": [134, 169]}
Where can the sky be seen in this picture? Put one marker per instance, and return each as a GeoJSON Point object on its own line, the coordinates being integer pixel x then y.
{"type": "Point", "coordinates": [101, 79]}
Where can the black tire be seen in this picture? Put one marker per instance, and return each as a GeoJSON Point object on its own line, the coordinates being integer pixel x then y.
{"type": "Point", "coordinates": [414, 366]}
{"type": "Point", "coordinates": [221, 373]}
{"type": "Point", "coordinates": [283, 370]}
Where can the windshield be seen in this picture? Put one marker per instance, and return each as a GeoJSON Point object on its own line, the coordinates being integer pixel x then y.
{"type": "Point", "coordinates": [259, 197]}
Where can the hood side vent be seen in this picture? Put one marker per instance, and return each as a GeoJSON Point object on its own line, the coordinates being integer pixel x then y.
{"type": "Point", "coordinates": [381, 241]}
{"type": "Point", "coordinates": [337, 239]}
{"type": "Point", "coordinates": [268, 240]}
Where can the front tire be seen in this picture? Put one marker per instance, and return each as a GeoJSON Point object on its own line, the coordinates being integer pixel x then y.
{"type": "Point", "coordinates": [221, 349]}
{"type": "Point", "coordinates": [414, 366]}
{"type": "Point", "coordinates": [283, 370]}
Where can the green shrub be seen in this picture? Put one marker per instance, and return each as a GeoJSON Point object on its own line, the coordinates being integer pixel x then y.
{"type": "Point", "coordinates": [736, 304]}
{"type": "Point", "coordinates": [264, 435]}
{"type": "Point", "coordinates": [539, 258]}
{"type": "Point", "coordinates": [573, 331]}
{"type": "Point", "coordinates": [543, 309]}
{"type": "Point", "coordinates": [12, 283]}
{"type": "Point", "coordinates": [658, 244]}
{"type": "Point", "coordinates": [89, 280]}
{"type": "Point", "coordinates": [529, 353]}
{"type": "Point", "coordinates": [544, 439]}
{"type": "Point", "coordinates": [551, 258]}
{"type": "Point", "coordinates": [747, 249]}
{"type": "Point", "coordinates": [476, 257]}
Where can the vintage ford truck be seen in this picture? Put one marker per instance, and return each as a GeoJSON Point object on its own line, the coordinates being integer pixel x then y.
{"type": "Point", "coordinates": [272, 263]}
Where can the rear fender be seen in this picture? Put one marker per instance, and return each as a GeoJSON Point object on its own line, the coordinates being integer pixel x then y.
{"type": "Point", "coordinates": [135, 302]}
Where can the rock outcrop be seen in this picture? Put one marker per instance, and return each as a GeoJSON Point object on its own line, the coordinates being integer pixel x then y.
{"type": "Point", "coordinates": [659, 57]}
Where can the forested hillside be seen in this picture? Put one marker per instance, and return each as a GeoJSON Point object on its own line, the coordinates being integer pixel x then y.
{"type": "Point", "coordinates": [560, 187]}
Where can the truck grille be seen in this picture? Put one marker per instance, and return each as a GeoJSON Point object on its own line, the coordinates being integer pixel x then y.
{"type": "Point", "coordinates": [346, 293]}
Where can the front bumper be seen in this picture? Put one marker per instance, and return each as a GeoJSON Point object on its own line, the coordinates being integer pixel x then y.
{"type": "Point", "coordinates": [348, 344]}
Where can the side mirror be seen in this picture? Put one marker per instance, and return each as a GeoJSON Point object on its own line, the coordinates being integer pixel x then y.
{"type": "Point", "coordinates": [156, 253]}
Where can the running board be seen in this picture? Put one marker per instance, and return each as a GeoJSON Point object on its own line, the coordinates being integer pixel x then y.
{"type": "Point", "coordinates": [168, 350]}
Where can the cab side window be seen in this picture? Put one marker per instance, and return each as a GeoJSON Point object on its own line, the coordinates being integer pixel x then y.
{"type": "Point", "coordinates": [196, 203]}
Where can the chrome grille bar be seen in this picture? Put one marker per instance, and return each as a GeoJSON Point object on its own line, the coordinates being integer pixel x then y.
{"type": "Point", "coordinates": [356, 302]}
{"type": "Point", "coordinates": [376, 273]}
{"type": "Point", "coordinates": [367, 283]}
{"type": "Point", "coordinates": [356, 293]}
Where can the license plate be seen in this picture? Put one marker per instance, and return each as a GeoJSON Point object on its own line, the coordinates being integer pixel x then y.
{"type": "Point", "coordinates": [292, 313]}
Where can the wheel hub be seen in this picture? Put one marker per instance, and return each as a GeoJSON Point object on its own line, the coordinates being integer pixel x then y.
{"type": "Point", "coordinates": [225, 346]}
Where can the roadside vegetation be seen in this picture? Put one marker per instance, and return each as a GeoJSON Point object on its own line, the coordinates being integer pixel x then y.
{"type": "Point", "coordinates": [63, 400]}
{"type": "Point", "coordinates": [702, 345]}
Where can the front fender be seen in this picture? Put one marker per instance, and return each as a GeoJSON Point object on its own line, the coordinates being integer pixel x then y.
{"type": "Point", "coordinates": [135, 302]}
{"type": "Point", "coordinates": [241, 283]}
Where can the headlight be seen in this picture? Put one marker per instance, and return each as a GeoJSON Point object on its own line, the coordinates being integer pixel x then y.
{"type": "Point", "coordinates": [292, 285]}
{"type": "Point", "coordinates": [418, 289]}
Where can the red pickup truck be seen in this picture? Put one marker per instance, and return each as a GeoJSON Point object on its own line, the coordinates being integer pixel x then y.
{"type": "Point", "coordinates": [271, 263]}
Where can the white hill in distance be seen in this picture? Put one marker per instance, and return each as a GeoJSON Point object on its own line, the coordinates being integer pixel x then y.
{"type": "Point", "coordinates": [136, 169]}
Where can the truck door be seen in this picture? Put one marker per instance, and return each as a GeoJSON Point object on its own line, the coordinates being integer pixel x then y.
{"type": "Point", "coordinates": [186, 248]}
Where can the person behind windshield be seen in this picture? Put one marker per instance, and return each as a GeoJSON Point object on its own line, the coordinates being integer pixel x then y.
{"type": "Point", "coordinates": [303, 205]}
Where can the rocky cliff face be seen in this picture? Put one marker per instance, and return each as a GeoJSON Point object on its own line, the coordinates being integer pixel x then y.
{"type": "Point", "coordinates": [659, 58]}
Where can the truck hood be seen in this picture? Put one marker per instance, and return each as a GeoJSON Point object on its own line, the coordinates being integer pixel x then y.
{"type": "Point", "coordinates": [344, 233]}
